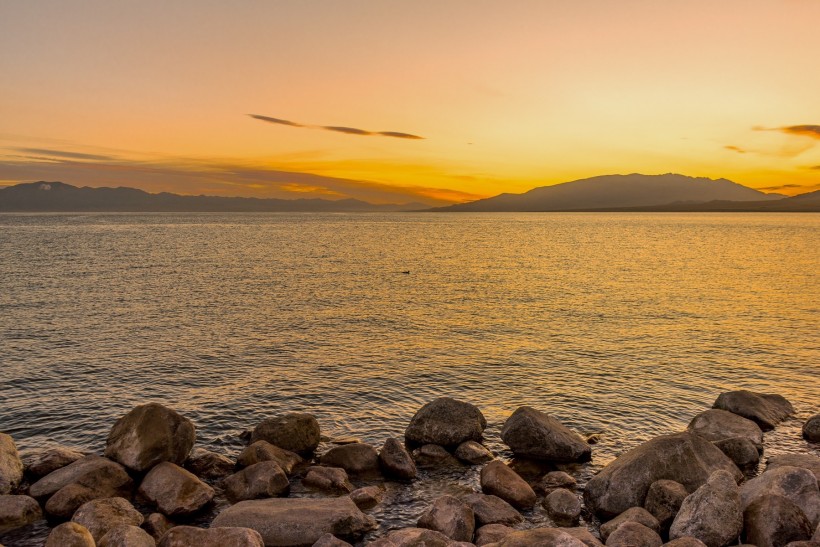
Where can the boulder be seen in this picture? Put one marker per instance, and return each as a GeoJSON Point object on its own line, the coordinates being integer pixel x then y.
{"type": "Point", "coordinates": [101, 515]}
{"type": "Point", "coordinates": [741, 451]}
{"type": "Point", "coordinates": [634, 514]}
{"type": "Point", "coordinates": [11, 468]}
{"type": "Point", "coordinates": [765, 409]}
{"type": "Point", "coordinates": [263, 451]}
{"type": "Point", "coordinates": [774, 521]}
{"type": "Point", "coordinates": [41, 462]}
{"type": "Point", "coordinates": [434, 455]}
{"type": "Point", "coordinates": [297, 432]}
{"type": "Point", "coordinates": [533, 434]}
{"type": "Point", "coordinates": [490, 509]}
{"type": "Point", "coordinates": [297, 521]}
{"type": "Point", "coordinates": [712, 513]}
{"type": "Point", "coordinates": [717, 425]}
{"type": "Point", "coordinates": [805, 461]}
{"type": "Point", "coordinates": [18, 511]}
{"type": "Point", "coordinates": [685, 542]}
{"type": "Point", "coordinates": [446, 422]}
{"type": "Point", "coordinates": [174, 490]}
{"type": "Point", "coordinates": [793, 483]}
{"type": "Point", "coordinates": [811, 429]}
{"type": "Point", "coordinates": [418, 537]}
{"type": "Point", "coordinates": [126, 535]}
{"type": "Point", "coordinates": [473, 453]}
{"type": "Point", "coordinates": [70, 534]}
{"type": "Point", "coordinates": [330, 479]}
{"type": "Point", "coordinates": [581, 533]}
{"type": "Point", "coordinates": [354, 458]}
{"type": "Point", "coordinates": [329, 540]}
{"type": "Point", "coordinates": [682, 457]}
{"type": "Point", "coordinates": [663, 501]}
{"type": "Point", "coordinates": [260, 480]}
{"type": "Point", "coordinates": [208, 465]}
{"type": "Point", "coordinates": [186, 536]}
{"type": "Point", "coordinates": [383, 542]}
{"type": "Point", "coordinates": [492, 533]}
{"type": "Point", "coordinates": [634, 534]}
{"type": "Point", "coordinates": [94, 472]}
{"type": "Point", "coordinates": [563, 507]}
{"type": "Point", "coordinates": [539, 537]}
{"type": "Point", "coordinates": [69, 498]}
{"type": "Point", "coordinates": [499, 480]}
{"type": "Point", "coordinates": [367, 497]}
{"type": "Point", "coordinates": [157, 525]}
{"type": "Point", "coordinates": [451, 517]}
{"type": "Point", "coordinates": [554, 480]}
{"type": "Point", "coordinates": [150, 434]}
{"type": "Point", "coordinates": [395, 461]}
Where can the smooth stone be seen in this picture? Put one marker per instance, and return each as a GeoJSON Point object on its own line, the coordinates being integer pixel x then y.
{"type": "Point", "coordinates": [157, 525]}
{"type": "Point", "coordinates": [717, 425]}
{"type": "Point", "coordinates": [94, 472]}
{"type": "Point", "coordinates": [581, 533]}
{"type": "Point", "coordinates": [69, 498]}
{"type": "Point", "coordinates": [367, 497]}
{"type": "Point", "coordinates": [534, 434]}
{"type": "Point", "coordinates": [11, 468]}
{"type": "Point", "coordinates": [682, 457]}
{"type": "Point", "coordinates": [712, 513]}
{"type": "Point", "coordinates": [101, 515]}
{"type": "Point", "coordinates": [208, 465]}
{"type": "Point", "coordinates": [492, 533]}
{"type": "Point", "coordinates": [263, 451]}
{"type": "Point", "coordinates": [418, 537]}
{"type": "Point", "coordinates": [188, 536]}
{"type": "Point", "coordinates": [381, 542]}
{"type": "Point", "coordinates": [70, 534]}
{"type": "Point", "coordinates": [489, 509]}
{"type": "Point", "coordinates": [473, 453]}
{"type": "Point", "coordinates": [446, 422]}
{"type": "Point", "coordinates": [329, 540]}
{"type": "Point", "coordinates": [741, 451]}
{"type": "Point", "coordinates": [805, 461]}
{"type": "Point", "coordinates": [684, 542]}
{"type": "Point", "coordinates": [765, 409]}
{"type": "Point", "coordinates": [554, 480]}
{"type": "Point", "coordinates": [811, 429]}
{"type": "Point", "coordinates": [150, 434]}
{"type": "Point", "coordinates": [633, 514]}
{"type": "Point", "coordinates": [498, 479]}
{"type": "Point", "coordinates": [531, 470]}
{"type": "Point", "coordinates": [395, 461]}
{"type": "Point", "coordinates": [451, 517]}
{"type": "Point", "coordinates": [18, 511]}
{"type": "Point", "coordinates": [663, 501]}
{"type": "Point", "coordinates": [174, 490]}
{"type": "Point", "coordinates": [634, 534]}
{"type": "Point", "coordinates": [260, 480]}
{"type": "Point", "coordinates": [434, 455]}
{"type": "Point", "coordinates": [39, 463]}
{"type": "Point", "coordinates": [354, 458]}
{"type": "Point", "coordinates": [331, 479]}
{"type": "Point", "coordinates": [774, 521]}
{"type": "Point", "coordinates": [793, 483]}
{"type": "Point", "coordinates": [539, 537]}
{"type": "Point", "coordinates": [296, 432]}
{"type": "Point", "coordinates": [126, 536]}
{"type": "Point", "coordinates": [563, 507]}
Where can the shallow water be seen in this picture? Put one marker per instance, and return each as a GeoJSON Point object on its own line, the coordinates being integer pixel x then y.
{"type": "Point", "coordinates": [623, 324]}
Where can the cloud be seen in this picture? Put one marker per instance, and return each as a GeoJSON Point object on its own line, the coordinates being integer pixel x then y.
{"type": "Point", "coordinates": [812, 131]}
{"type": "Point", "coordinates": [781, 187]}
{"type": "Point", "coordinates": [63, 154]}
{"type": "Point", "coordinates": [817, 167]}
{"type": "Point", "coordinates": [735, 149]}
{"type": "Point", "coordinates": [275, 120]}
{"type": "Point", "coordinates": [337, 128]}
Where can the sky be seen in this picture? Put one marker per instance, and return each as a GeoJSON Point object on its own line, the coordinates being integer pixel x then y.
{"type": "Point", "coordinates": [436, 101]}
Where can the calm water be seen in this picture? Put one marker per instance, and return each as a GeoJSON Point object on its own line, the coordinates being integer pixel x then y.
{"type": "Point", "coordinates": [625, 324]}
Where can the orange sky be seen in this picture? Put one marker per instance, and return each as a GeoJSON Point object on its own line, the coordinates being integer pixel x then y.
{"type": "Point", "coordinates": [506, 95]}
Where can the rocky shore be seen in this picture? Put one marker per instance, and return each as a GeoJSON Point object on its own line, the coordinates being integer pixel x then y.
{"type": "Point", "coordinates": [151, 486]}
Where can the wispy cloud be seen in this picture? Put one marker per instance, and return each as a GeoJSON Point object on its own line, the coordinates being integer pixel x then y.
{"type": "Point", "coordinates": [733, 148]}
{"type": "Point", "coordinates": [63, 154]}
{"type": "Point", "coordinates": [781, 187]}
{"type": "Point", "coordinates": [337, 129]}
{"type": "Point", "coordinates": [812, 131]}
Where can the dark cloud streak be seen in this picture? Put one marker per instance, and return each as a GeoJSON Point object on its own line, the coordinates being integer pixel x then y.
{"type": "Point", "coordinates": [338, 129]}
{"type": "Point", "coordinates": [63, 154]}
{"type": "Point", "coordinates": [275, 120]}
{"type": "Point", "coordinates": [812, 131]}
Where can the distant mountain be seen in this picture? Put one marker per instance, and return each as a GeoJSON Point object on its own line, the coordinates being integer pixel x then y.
{"type": "Point", "coordinates": [61, 197]}
{"type": "Point", "coordinates": [616, 192]}
{"type": "Point", "coordinates": [804, 203]}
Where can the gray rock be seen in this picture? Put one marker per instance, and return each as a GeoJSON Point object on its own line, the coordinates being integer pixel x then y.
{"type": "Point", "coordinates": [101, 515]}
{"type": "Point", "coordinates": [150, 434]}
{"type": "Point", "coordinates": [684, 542]}
{"type": "Point", "coordinates": [811, 429]}
{"type": "Point", "coordinates": [11, 468]}
{"type": "Point", "coordinates": [157, 524]}
{"type": "Point", "coordinates": [581, 533]}
{"type": "Point", "coordinates": [418, 537]}
{"type": "Point", "coordinates": [263, 451]}
{"type": "Point", "coordinates": [174, 490]}
{"type": "Point", "coordinates": [354, 458]}
{"type": "Point", "coordinates": [492, 533]}
{"type": "Point", "coordinates": [70, 534]}
{"type": "Point", "coordinates": [330, 479]}
{"type": "Point", "coordinates": [712, 513]}
{"type": "Point", "coordinates": [367, 497]}
{"type": "Point", "coordinates": [208, 465]}
{"type": "Point", "coordinates": [39, 463]}
{"type": "Point", "coordinates": [395, 461]}
{"type": "Point", "coordinates": [451, 517]}
{"type": "Point", "coordinates": [805, 461]}
{"type": "Point", "coordinates": [446, 422]}
{"type": "Point", "coordinates": [741, 451]}
{"type": "Point", "coordinates": [793, 483]}
{"type": "Point", "coordinates": [554, 480]}
{"type": "Point", "coordinates": [260, 480]}
{"type": "Point", "coordinates": [633, 514]}
{"type": "Point", "coordinates": [682, 457]}
{"type": "Point", "coordinates": [18, 511]}
{"type": "Point", "coordinates": [540, 537]}
{"type": "Point", "coordinates": [634, 534]}
{"type": "Point", "coordinates": [473, 453]}
{"type": "Point", "coordinates": [533, 434]}
{"type": "Point", "coordinates": [563, 507]}
{"type": "Point", "coordinates": [187, 536]}
{"type": "Point", "coordinates": [126, 536]}
{"type": "Point", "coordinates": [490, 509]}
{"type": "Point", "coordinates": [499, 480]}
{"type": "Point", "coordinates": [329, 540]}
{"type": "Point", "coordinates": [663, 500]}
{"type": "Point", "coordinates": [434, 455]}
{"type": "Point", "coordinates": [717, 425]}
{"type": "Point", "coordinates": [774, 521]}
{"type": "Point", "coordinates": [297, 432]}
{"type": "Point", "coordinates": [765, 409]}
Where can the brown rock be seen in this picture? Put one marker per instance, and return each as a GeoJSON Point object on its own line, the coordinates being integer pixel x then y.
{"type": "Point", "coordinates": [663, 500]}
{"type": "Point", "coordinates": [433, 455]}
{"type": "Point", "coordinates": [354, 458]}
{"type": "Point", "coordinates": [94, 472]}
{"type": "Point", "coordinates": [11, 468]}
{"type": "Point", "coordinates": [804, 461]}
{"type": "Point", "coordinates": [329, 540]}
{"type": "Point", "coordinates": [157, 524]}
{"type": "Point", "coordinates": [263, 451]}
{"type": "Point", "coordinates": [540, 537]}
{"type": "Point", "coordinates": [633, 534]}
{"type": "Point", "coordinates": [101, 515]}
{"type": "Point", "coordinates": [260, 480]}
{"type": "Point", "coordinates": [584, 535]}
{"type": "Point", "coordinates": [446, 422]}
{"type": "Point", "coordinates": [563, 507]}
{"type": "Point", "coordinates": [39, 463]}
{"type": "Point", "coordinates": [499, 480]}
{"type": "Point", "coordinates": [395, 461]}
{"type": "Point", "coordinates": [18, 511]}
{"type": "Point", "coordinates": [774, 521]}
{"type": "Point", "coordinates": [492, 533]}
{"type": "Point", "coordinates": [712, 513]}
{"type": "Point", "coordinates": [718, 425]}
{"type": "Point", "coordinates": [492, 510]}
{"type": "Point", "coordinates": [741, 451]}
{"type": "Point", "coordinates": [297, 432]}
{"type": "Point", "coordinates": [126, 536]}
{"type": "Point", "coordinates": [331, 479]}
{"type": "Point", "coordinates": [473, 453]}
{"type": "Point", "coordinates": [367, 497]}
{"type": "Point", "coordinates": [70, 534]}
{"type": "Point", "coordinates": [685, 542]}
{"type": "Point", "coordinates": [811, 429]}
{"type": "Point", "coordinates": [554, 480]}
{"type": "Point", "coordinates": [765, 409]}
{"type": "Point", "coordinates": [534, 434]}
{"type": "Point", "coordinates": [451, 517]}
{"type": "Point", "coordinates": [634, 514]}
{"type": "Point", "coordinates": [187, 536]}
{"type": "Point", "coordinates": [208, 465]}
{"type": "Point", "coordinates": [793, 483]}
{"type": "Point", "coordinates": [418, 537]}
{"type": "Point", "coordinates": [174, 490]}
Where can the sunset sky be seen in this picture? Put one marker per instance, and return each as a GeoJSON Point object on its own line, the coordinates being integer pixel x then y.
{"type": "Point", "coordinates": [325, 98]}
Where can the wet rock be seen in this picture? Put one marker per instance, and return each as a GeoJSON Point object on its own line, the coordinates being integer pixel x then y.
{"type": "Point", "coordinates": [330, 479]}
{"type": "Point", "coordinates": [774, 521]}
{"type": "Point", "coordinates": [682, 457]}
{"type": "Point", "coordinates": [634, 534]}
{"type": "Point", "coordinates": [187, 536]}
{"type": "Point", "coordinates": [18, 511]}
{"type": "Point", "coordinates": [563, 507]}
{"type": "Point", "coordinates": [685, 542]}
{"type": "Point", "coordinates": [718, 425]}
{"type": "Point", "coordinates": [663, 500]}
{"type": "Point", "coordinates": [634, 514]}
{"type": "Point", "coordinates": [395, 461]}
{"type": "Point", "coordinates": [793, 483]}
{"type": "Point", "coordinates": [492, 533]}
{"type": "Point", "coordinates": [367, 497]}
{"type": "Point", "coordinates": [765, 409]}
{"type": "Point", "coordinates": [150, 434]}
{"type": "Point", "coordinates": [381, 542]}
{"type": "Point", "coordinates": [811, 429]}
{"type": "Point", "coordinates": [804, 461]}
{"type": "Point", "coordinates": [554, 480]}
{"type": "Point", "coordinates": [499, 480]}
{"type": "Point", "coordinates": [260, 480]}
{"type": "Point", "coordinates": [581, 533]}
{"type": "Point", "coordinates": [534, 434]}
{"type": "Point", "coordinates": [11, 468]}
{"type": "Point", "coordinates": [433, 455]}
{"type": "Point", "coordinates": [208, 465]}
{"type": "Point", "coordinates": [473, 453]}
{"type": "Point", "coordinates": [297, 432]}
{"type": "Point", "coordinates": [263, 451]}
{"type": "Point", "coordinates": [297, 521]}
{"type": "Point", "coordinates": [329, 540]}
{"type": "Point", "coordinates": [741, 451]}
{"type": "Point", "coordinates": [126, 536]}
{"type": "Point", "coordinates": [70, 534]}
{"type": "Point", "coordinates": [540, 537]}
{"type": "Point", "coordinates": [354, 458]}
{"type": "Point", "coordinates": [418, 537]}
{"type": "Point", "coordinates": [490, 509]}
{"type": "Point", "coordinates": [39, 463]}
{"type": "Point", "coordinates": [174, 490]}
{"type": "Point", "coordinates": [157, 524]}
{"type": "Point", "coordinates": [712, 513]}
{"type": "Point", "coordinates": [451, 517]}
{"type": "Point", "coordinates": [68, 499]}
{"type": "Point", "coordinates": [101, 515]}
{"type": "Point", "coordinates": [446, 422]}
{"type": "Point", "coordinates": [529, 469]}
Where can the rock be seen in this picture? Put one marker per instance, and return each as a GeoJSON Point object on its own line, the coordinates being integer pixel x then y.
{"type": "Point", "coordinates": [533, 434]}
{"type": "Point", "coordinates": [741, 451]}
{"type": "Point", "coordinates": [663, 501]}
{"type": "Point", "coordinates": [70, 534]}
{"type": "Point", "coordinates": [381, 542]}
{"type": "Point", "coordinates": [150, 434]}
{"type": "Point", "coordinates": [367, 497]}
{"type": "Point", "coordinates": [263, 451]}
{"type": "Point", "coordinates": [94, 472]}
{"type": "Point", "coordinates": [774, 521]}
{"type": "Point", "coordinates": [712, 513]}
{"type": "Point", "coordinates": [433, 455]}
{"type": "Point", "coordinates": [418, 537]}
{"type": "Point", "coordinates": [187, 536]}
{"type": "Point", "coordinates": [354, 458]}
{"type": "Point", "coordinates": [811, 429]}
{"type": "Point", "coordinates": [329, 540]}
{"type": "Point", "coordinates": [793, 483]}
{"type": "Point", "coordinates": [68, 499]}
{"type": "Point", "coordinates": [208, 465]}
{"type": "Point", "coordinates": [540, 537]}
{"type": "Point", "coordinates": [682, 457]}
{"type": "Point", "coordinates": [563, 507]}
{"type": "Point", "coordinates": [297, 521]}
{"type": "Point", "coordinates": [451, 517]}
{"type": "Point", "coordinates": [765, 409]}
{"type": "Point", "coordinates": [126, 536]}
{"type": "Point", "coordinates": [584, 535]}
{"type": "Point", "coordinates": [297, 432]}
{"type": "Point", "coordinates": [39, 463]}
{"type": "Point", "coordinates": [499, 480]}
{"type": "Point", "coordinates": [717, 425]}
{"type": "Point", "coordinates": [11, 468]}
{"type": "Point", "coordinates": [446, 422]}
{"type": "Point", "coordinates": [490, 509]}
{"type": "Point", "coordinates": [685, 542]}
{"type": "Point", "coordinates": [492, 533]}
{"type": "Point", "coordinates": [331, 479]}
{"type": "Point", "coordinates": [473, 453]}
{"type": "Point", "coordinates": [634, 514]}
{"type": "Point", "coordinates": [174, 490]}
{"type": "Point", "coordinates": [529, 469]}
{"type": "Point", "coordinates": [260, 480]}
{"type": "Point", "coordinates": [157, 524]}
{"type": "Point", "coordinates": [634, 534]}
{"type": "Point", "coordinates": [395, 461]}
{"type": "Point", "coordinates": [804, 461]}
{"type": "Point", "coordinates": [18, 511]}
{"type": "Point", "coordinates": [101, 515]}
{"type": "Point", "coordinates": [554, 480]}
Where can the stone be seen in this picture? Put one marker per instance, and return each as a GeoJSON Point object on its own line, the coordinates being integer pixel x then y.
{"type": "Point", "coordinates": [39, 463]}
{"type": "Point", "coordinates": [208, 465]}
{"type": "Point", "coordinates": [70, 534]}
{"type": "Point", "coordinates": [354, 458]}
{"type": "Point", "coordinates": [451, 517]}
{"type": "Point", "coordinates": [381, 542]}
{"type": "Point", "coordinates": [684, 542]}
{"type": "Point", "coordinates": [663, 501]}
{"type": "Point", "coordinates": [634, 514]}
{"type": "Point", "coordinates": [11, 468]}
{"type": "Point", "coordinates": [774, 521]}
{"type": "Point", "coordinates": [534, 434]}
{"type": "Point", "coordinates": [682, 457]}
{"type": "Point", "coordinates": [717, 425]}
{"type": "Point", "coordinates": [539, 537]}
{"type": "Point", "coordinates": [492, 533]}
{"type": "Point", "coordinates": [150, 434]}
{"type": "Point", "coordinates": [69, 498]}
{"type": "Point", "coordinates": [101, 515]}
{"type": "Point", "coordinates": [18, 511]}
{"type": "Point", "coordinates": [634, 534]}
{"type": "Point", "coordinates": [563, 507]}
{"type": "Point", "coordinates": [395, 461]}
{"type": "Point", "coordinates": [174, 490]}
{"type": "Point", "coordinates": [94, 472]}
{"type": "Point", "coordinates": [126, 536]}
{"type": "Point", "coordinates": [489, 509]}
{"type": "Point", "coordinates": [793, 483]}
{"type": "Point", "coordinates": [331, 479]}
{"type": "Point", "coordinates": [260, 480]}
{"type": "Point", "coordinates": [765, 409]}
{"type": "Point", "coordinates": [531, 470]}
{"type": "Point", "coordinates": [329, 540]}
{"type": "Point", "coordinates": [712, 513]}
{"type": "Point", "coordinates": [434, 455]}
{"type": "Point", "coordinates": [741, 451]}
{"type": "Point", "coordinates": [805, 461]}
{"type": "Point", "coordinates": [446, 422]}
{"type": "Point", "coordinates": [581, 533]}
{"type": "Point", "coordinates": [296, 432]}
{"type": "Point", "coordinates": [263, 451]}
{"type": "Point", "coordinates": [811, 429]}
{"type": "Point", "coordinates": [157, 524]}
{"type": "Point", "coordinates": [188, 536]}
{"type": "Point", "coordinates": [297, 521]}
{"type": "Point", "coordinates": [499, 480]}
{"type": "Point", "coordinates": [418, 537]}
{"type": "Point", "coordinates": [554, 480]}
{"type": "Point", "coordinates": [473, 453]}
{"type": "Point", "coordinates": [367, 497]}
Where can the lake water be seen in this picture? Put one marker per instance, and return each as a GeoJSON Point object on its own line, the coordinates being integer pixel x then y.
{"type": "Point", "coordinates": [621, 324]}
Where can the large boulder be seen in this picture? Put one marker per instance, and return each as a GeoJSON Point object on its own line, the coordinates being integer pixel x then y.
{"type": "Point", "coordinates": [354, 458]}
{"type": "Point", "coordinates": [633, 514]}
{"type": "Point", "coordinates": [663, 501]}
{"type": "Point", "coordinates": [329, 540]}
{"type": "Point", "coordinates": [263, 451]}
{"type": "Point", "coordinates": [126, 535]}
{"type": "Point", "coordinates": [297, 432]}
{"type": "Point", "coordinates": [18, 511]}
{"type": "Point", "coordinates": [682, 457]}
{"type": "Point", "coordinates": [774, 521]}
{"type": "Point", "coordinates": [11, 468]}
{"type": "Point", "coordinates": [765, 409]}
{"type": "Point", "coordinates": [417, 537]}
{"type": "Point", "coordinates": [329, 479]}
{"type": "Point", "coordinates": [793, 483]}
{"type": "Point", "coordinates": [186, 536]}
{"type": "Point", "coordinates": [395, 461]}
{"type": "Point", "coordinates": [297, 521]}
{"type": "Point", "coordinates": [446, 422]}
{"type": "Point", "coordinates": [811, 429]}
{"type": "Point", "coordinates": [712, 513]}
{"type": "Point", "coordinates": [717, 425]}
{"type": "Point", "coordinates": [174, 490]}
{"type": "Point", "coordinates": [563, 507]}
{"type": "Point", "coordinates": [260, 480]}
{"type": "Point", "coordinates": [634, 534]}
{"type": "Point", "coordinates": [492, 533]}
{"type": "Point", "coordinates": [150, 434]}
{"type": "Point", "coordinates": [804, 461]}
{"type": "Point", "coordinates": [531, 433]}
{"type": "Point", "coordinates": [473, 453]}
{"type": "Point", "coordinates": [490, 509]}
{"type": "Point", "coordinates": [539, 537]}
{"type": "Point", "coordinates": [40, 462]}
{"type": "Point", "coordinates": [451, 517]}
{"type": "Point", "coordinates": [741, 451]}
{"type": "Point", "coordinates": [581, 533]}
{"type": "Point", "coordinates": [498, 479]}
{"type": "Point", "coordinates": [70, 534]}
{"type": "Point", "coordinates": [208, 465]}
{"type": "Point", "coordinates": [101, 515]}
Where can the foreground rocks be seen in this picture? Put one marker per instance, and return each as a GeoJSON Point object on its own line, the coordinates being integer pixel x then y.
{"type": "Point", "coordinates": [534, 434]}
{"type": "Point", "coordinates": [11, 468]}
{"type": "Point", "coordinates": [793, 483]}
{"type": "Point", "coordinates": [446, 422]}
{"type": "Point", "coordinates": [174, 490]}
{"type": "Point", "coordinates": [208, 465]}
{"type": "Point", "coordinates": [263, 451]}
{"type": "Point", "coordinates": [811, 429]}
{"type": "Point", "coordinates": [765, 409]}
{"type": "Point", "coordinates": [499, 480]}
{"type": "Point", "coordinates": [719, 425]}
{"type": "Point", "coordinates": [353, 458]}
{"type": "Point", "coordinates": [712, 513]}
{"type": "Point", "coordinates": [100, 516]}
{"type": "Point", "coordinates": [260, 480]}
{"type": "Point", "coordinates": [70, 534]}
{"type": "Point", "coordinates": [395, 461]}
{"type": "Point", "coordinates": [18, 511]}
{"type": "Point", "coordinates": [186, 536]}
{"type": "Point", "coordinates": [297, 432]}
{"type": "Point", "coordinates": [39, 463]}
{"type": "Point", "coordinates": [451, 517]}
{"type": "Point", "coordinates": [773, 521]}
